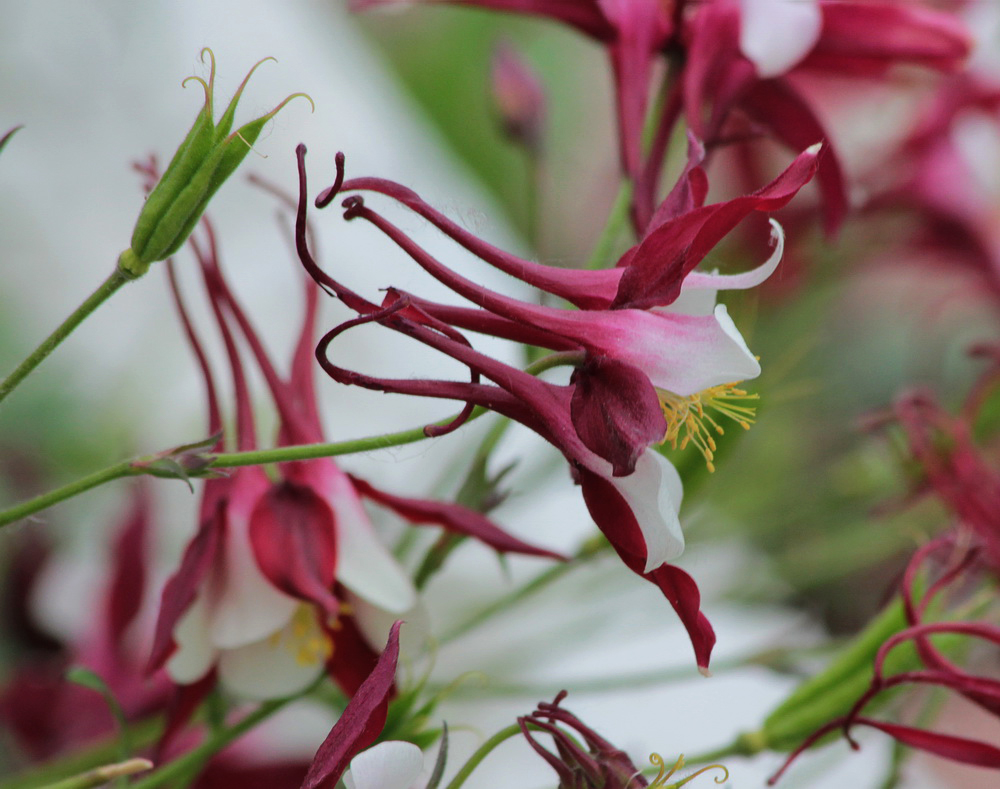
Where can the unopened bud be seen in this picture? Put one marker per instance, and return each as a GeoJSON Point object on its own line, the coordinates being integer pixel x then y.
{"type": "Point", "coordinates": [205, 159]}
{"type": "Point", "coordinates": [518, 97]}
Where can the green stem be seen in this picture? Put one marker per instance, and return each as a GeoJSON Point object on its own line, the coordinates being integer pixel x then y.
{"type": "Point", "coordinates": [101, 776]}
{"type": "Point", "coordinates": [128, 468]}
{"type": "Point", "coordinates": [46, 500]}
{"type": "Point", "coordinates": [142, 733]}
{"type": "Point", "coordinates": [95, 300]}
{"type": "Point", "coordinates": [215, 743]}
{"type": "Point", "coordinates": [481, 753]}
{"type": "Point", "coordinates": [600, 257]}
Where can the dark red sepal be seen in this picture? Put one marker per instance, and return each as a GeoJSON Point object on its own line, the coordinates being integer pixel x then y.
{"type": "Point", "coordinates": [360, 723]}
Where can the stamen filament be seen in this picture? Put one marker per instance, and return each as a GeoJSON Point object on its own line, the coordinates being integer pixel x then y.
{"type": "Point", "coordinates": [689, 419]}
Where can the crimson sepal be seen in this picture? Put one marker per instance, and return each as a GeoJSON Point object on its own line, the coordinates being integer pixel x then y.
{"type": "Point", "coordinates": [182, 705]}
{"type": "Point", "coordinates": [352, 659]}
{"type": "Point", "coordinates": [776, 105]}
{"type": "Point", "coordinates": [292, 533]}
{"type": "Point", "coordinates": [454, 518]}
{"type": "Point", "coordinates": [958, 749]}
{"type": "Point", "coordinates": [866, 38]}
{"type": "Point", "coordinates": [128, 583]}
{"type": "Point", "coordinates": [657, 266]}
{"type": "Point", "coordinates": [617, 522]}
{"type": "Point", "coordinates": [616, 411]}
{"type": "Point", "coordinates": [180, 591]}
{"type": "Point", "coordinates": [361, 722]}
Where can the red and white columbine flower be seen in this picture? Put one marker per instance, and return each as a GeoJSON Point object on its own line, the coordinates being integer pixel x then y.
{"type": "Point", "coordinates": [645, 373]}
{"type": "Point", "coordinates": [286, 579]}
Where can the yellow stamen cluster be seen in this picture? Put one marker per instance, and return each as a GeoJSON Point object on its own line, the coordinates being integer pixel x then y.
{"type": "Point", "coordinates": [304, 638]}
{"type": "Point", "coordinates": [689, 420]}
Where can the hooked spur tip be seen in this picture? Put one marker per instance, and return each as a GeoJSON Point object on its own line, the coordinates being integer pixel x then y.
{"type": "Point", "coordinates": [326, 196]}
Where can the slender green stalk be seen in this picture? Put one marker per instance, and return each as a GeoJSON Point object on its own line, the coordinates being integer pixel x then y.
{"type": "Point", "coordinates": [600, 257]}
{"type": "Point", "coordinates": [215, 743]}
{"type": "Point", "coordinates": [46, 500]}
{"type": "Point", "coordinates": [143, 733]}
{"type": "Point", "coordinates": [129, 468]}
{"type": "Point", "coordinates": [481, 753]}
{"type": "Point", "coordinates": [101, 776]}
{"type": "Point", "coordinates": [95, 300]}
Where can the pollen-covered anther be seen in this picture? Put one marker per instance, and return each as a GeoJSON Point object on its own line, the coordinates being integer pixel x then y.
{"type": "Point", "coordinates": [304, 638]}
{"type": "Point", "coordinates": [690, 421]}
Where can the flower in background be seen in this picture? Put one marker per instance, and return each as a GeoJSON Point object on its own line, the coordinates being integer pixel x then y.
{"type": "Point", "coordinates": [287, 579]}
{"type": "Point", "coordinates": [746, 57]}
{"type": "Point", "coordinates": [948, 587]}
{"type": "Point", "coordinates": [601, 765]}
{"type": "Point", "coordinates": [45, 711]}
{"type": "Point", "coordinates": [518, 97]}
{"type": "Point", "coordinates": [634, 33]}
{"type": "Point", "coordinates": [944, 174]}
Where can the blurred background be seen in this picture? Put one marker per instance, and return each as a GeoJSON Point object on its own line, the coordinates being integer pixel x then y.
{"type": "Point", "coordinates": [790, 539]}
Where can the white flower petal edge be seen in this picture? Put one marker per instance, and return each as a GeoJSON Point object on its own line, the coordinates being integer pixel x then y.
{"type": "Point", "coordinates": [271, 668]}
{"type": "Point", "coordinates": [388, 765]}
{"type": "Point", "coordinates": [697, 280]}
{"type": "Point", "coordinates": [364, 564]}
{"type": "Point", "coordinates": [654, 493]}
{"type": "Point", "coordinates": [776, 34]}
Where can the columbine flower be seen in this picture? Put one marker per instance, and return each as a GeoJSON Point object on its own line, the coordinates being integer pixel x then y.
{"type": "Point", "coordinates": [608, 404]}
{"type": "Point", "coordinates": [945, 172]}
{"type": "Point", "coordinates": [650, 369]}
{"type": "Point", "coordinates": [284, 580]}
{"type": "Point", "coordinates": [745, 56]}
{"type": "Point", "coordinates": [45, 712]}
{"type": "Point", "coordinates": [937, 585]}
{"type": "Point", "coordinates": [601, 765]}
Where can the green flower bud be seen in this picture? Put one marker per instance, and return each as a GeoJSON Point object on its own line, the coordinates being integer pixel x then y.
{"type": "Point", "coordinates": [832, 693]}
{"type": "Point", "coordinates": [204, 160]}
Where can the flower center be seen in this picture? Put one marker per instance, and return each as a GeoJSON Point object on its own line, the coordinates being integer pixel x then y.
{"type": "Point", "coordinates": [690, 419]}
{"type": "Point", "coordinates": [304, 638]}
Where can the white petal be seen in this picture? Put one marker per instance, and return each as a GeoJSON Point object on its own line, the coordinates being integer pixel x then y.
{"type": "Point", "coordinates": [273, 667]}
{"type": "Point", "coordinates": [654, 492]}
{"type": "Point", "coordinates": [248, 607]}
{"type": "Point", "coordinates": [695, 299]}
{"type": "Point", "coordinates": [776, 34]}
{"type": "Point", "coordinates": [195, 653]}
{"type": "Point", "coordinates": [749, 366]}
{"type": "Point", "coordinates": [388, 765]}
{"type": "Point", "coordinates": [697, 280]}
{"type": "Point", "coordinates": [364, 564]}
{"type": "Point", "coordinates": [375, 623]}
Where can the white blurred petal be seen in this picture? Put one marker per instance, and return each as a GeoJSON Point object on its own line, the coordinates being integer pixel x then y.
{"type": "Point", "coordinates": [364, 564]}
{"type": "Point", "coordinates": [277, 666]}
{"type": "Point", "coordinates": [776, 34]}
{"type": "Point", "coordinates": [195, 654]}
{"type": "Point", "coordinates": [654, 493]}
{"type": "Point", "coordinates": [388, 765]}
